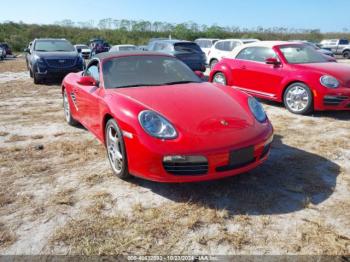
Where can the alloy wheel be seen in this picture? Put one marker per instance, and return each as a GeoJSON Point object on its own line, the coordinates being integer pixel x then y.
{"type": "Point", "coordinates": [297, 98]}
{"type": "Point", "coordinates": [114, 149]}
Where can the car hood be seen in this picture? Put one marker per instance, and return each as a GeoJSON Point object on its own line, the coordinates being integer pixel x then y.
{"type": "Point", "coordinates": [337, 70]}
{"type": "Point", "coordinates": [199, 111]}
{"type": "Point", "coordinates": [57, 55]}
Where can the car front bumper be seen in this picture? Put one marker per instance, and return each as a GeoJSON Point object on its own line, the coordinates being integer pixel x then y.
{"type": "Point", "coordinates": [56, 72]}
{"type": "Point", "coordinates": [149, 163]}
{"type": "Point", "coordinates": [333, 99]}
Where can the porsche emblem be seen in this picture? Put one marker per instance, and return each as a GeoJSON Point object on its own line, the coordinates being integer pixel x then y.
{"type": "Point", "coordinates": [224, 123]}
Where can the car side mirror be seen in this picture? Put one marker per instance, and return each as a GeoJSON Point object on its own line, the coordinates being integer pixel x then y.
{"type": "Point", "coordinates": [87, 81]}
{"type": "Point", "coordinates": [200, 74]}
{"type": "Point", "coordinates": [27, 50]}
{"type": "Point", "coordinates": [272, 61]}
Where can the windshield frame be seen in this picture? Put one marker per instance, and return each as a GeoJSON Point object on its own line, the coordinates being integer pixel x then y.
{"type": "Point", "coordinates": [281, 47]}
{"type": "Point", "coordinates": [196, 79]}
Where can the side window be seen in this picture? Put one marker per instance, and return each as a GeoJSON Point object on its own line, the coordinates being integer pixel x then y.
{"type": "Point", "coordinates": [257, 54]}
{"type": "Point", "coordinates": [343, 42]}
{"type": "Point", "coordinates": [93, 71]}
{"type": "Point", "coordinates": [234, 44]}
{"type": "Point", "coordinates": [220, 45]}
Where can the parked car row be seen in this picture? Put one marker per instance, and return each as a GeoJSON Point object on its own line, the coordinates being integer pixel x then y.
{"type": "Point", "coordinates": [156, 114]}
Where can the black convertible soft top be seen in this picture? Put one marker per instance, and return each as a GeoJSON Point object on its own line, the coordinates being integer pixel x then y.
{"type": "Point", "coordinates": [106, 55]}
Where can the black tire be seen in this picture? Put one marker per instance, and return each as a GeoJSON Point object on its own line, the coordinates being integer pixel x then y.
{"type": "Point", "coordinates": [30, 73]}
{"type": "Point", "coordinates": [37, 80]}
{"type": "Point", "coordinates": [346, 54]}
{"type": "Point", "coordinates": [67, 112]}
{"type": "Point", "coordinates": [124, 171]}
{"type": "Point", "coordinates": [213, 63]}
{"type": "Point", "coordinates": [308, 108]}
{"type": "Point", "coordinates": [221, 76]}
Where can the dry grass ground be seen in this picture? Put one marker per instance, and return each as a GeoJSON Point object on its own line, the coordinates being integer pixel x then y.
{"type": "Point", "coordinates": [58, 196]}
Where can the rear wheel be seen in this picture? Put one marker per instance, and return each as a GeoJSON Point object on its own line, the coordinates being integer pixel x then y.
{"type": "Point", "coordinates": [116, 150]}
{"type": "Point", "coordinates": [67, 113]}
{"type": "Point", "coordinates": [213, 63]}
{"type": "Point", "coordinates": [220, 78]}
{"type": "Point", "coordinates": [346, 54]}
{"type": "Point", "coordinates": [298, 99]}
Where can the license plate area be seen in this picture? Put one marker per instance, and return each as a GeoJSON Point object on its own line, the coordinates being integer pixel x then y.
{"type": "Point", "coordinates": [242, 156]}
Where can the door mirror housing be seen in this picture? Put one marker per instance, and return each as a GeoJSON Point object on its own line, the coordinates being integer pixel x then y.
{"type": "Point", "coordinates": [272, 61]}
{"type": "Point", "coordinates": [26, 50]}
{"type": "Point", "coordinates": [87, 81]}
{"type": "Point", "coordinates": [200, 74]}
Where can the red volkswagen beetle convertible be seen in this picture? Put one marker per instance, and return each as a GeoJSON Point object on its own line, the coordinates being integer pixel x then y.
{"type": "Point", "coordinates": [293, 73]}
{"type": "Point", "coordinates": [160, 121]}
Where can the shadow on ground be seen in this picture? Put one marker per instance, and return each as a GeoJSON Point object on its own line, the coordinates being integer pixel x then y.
{"type": "Point", "coordinates": [289, 181]}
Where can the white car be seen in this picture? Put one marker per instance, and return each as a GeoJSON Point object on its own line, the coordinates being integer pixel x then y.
{"type": "Point", "coordinates": [84, 50]}
{"type": "Point", "coordinates": [224, 48]}
{"type": "Point", "coordinates": [205, 44]}
{"type": "Point", "coordinates": [123, 48]}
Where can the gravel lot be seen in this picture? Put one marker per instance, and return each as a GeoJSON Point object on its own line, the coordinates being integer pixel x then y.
{"type": "Point", "coordinates": [58, 195]}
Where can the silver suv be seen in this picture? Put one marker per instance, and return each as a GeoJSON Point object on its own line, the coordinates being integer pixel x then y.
{"type": "Point", "coordinates": [337, 46]}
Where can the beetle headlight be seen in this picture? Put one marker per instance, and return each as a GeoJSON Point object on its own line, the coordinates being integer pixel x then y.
{"type": "Point", "coordinates": [257, 109]}
{"type": "Point", "coordinates": [156, 125]}
{"type": "Point", "coordinates": [329, 81]}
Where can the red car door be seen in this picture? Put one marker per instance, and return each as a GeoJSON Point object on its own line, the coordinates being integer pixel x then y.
{"type": "Point", "coordinates": [88, 98]}
{"type": "Point", "coordinates": [257, 77]}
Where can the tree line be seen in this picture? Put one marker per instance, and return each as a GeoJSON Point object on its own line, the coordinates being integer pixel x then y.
{"type": "Point", "coordinates": [18, 35]}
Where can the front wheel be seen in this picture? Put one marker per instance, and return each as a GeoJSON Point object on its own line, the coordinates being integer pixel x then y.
{"type": "Point", "coordinates": [346, 54]}
{"type": "Point", "coordinates": [220, 78]}
{"type": "Point", "coordinates": [67, 113]}
{"type": "Point", "coordinates": [298, 99]}
{"type": "Point", "coordinates": [116, 151]}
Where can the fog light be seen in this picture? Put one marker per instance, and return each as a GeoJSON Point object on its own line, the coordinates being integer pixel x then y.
{"type": "Point", "coordinates": [184, 159]}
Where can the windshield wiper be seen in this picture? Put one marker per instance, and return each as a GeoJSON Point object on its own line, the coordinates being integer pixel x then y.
{"type": "Point", "coordinates": [40, 50]}
{"type": "Point", "coordinates": [180, 82]}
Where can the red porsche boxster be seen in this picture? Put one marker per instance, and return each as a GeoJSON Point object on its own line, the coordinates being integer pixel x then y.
{"type": "Point", "coordinates": [292, 73]}
{"type": "Point", "coordinates": [160, 121]}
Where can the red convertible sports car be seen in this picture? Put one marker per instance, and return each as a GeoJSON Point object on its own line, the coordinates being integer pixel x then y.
{"type": "Point", "coordinates": [292, 73]}
{"type": "Point", "coordinates": [160, 121]}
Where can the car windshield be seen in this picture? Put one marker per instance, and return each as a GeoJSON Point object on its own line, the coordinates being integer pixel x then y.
{"type": "Point", "coordinates": [302, 54]}
{"type": "Point", "coordinates": [53, 46]}
{"type": "Point", "coordinates": [146, 70]}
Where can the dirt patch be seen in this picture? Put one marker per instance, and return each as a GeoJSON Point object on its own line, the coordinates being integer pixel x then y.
{"type": "Point", "coordinates": [58, 195]}
{"type": "Point", "coordinates": [13, 65]}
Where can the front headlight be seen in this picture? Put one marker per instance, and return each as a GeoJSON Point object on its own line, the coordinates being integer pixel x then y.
{"type": "Point", "coordinates": [257, 109]}
{"type": "Point", "coordinates": [156, 125]}
{"type": "Point", "coordinates": [329, 81]}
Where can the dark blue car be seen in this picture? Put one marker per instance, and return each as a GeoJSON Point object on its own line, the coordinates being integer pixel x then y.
{"type": "Point", "coordinates": [188, 52]}
{"type": "Point", "coordinates": [50, 59]}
